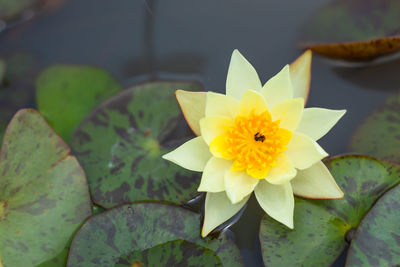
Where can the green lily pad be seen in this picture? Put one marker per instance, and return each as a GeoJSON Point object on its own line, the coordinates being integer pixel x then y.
{"type": "Point", "coordinates": [354, 29]}
{"type": "Point", "coordinates": [121, 143]}
{"type": "Point", "coordinates": [17, 72]}
{"type": "Point", "coordinates": [66, 94]}
{"type": "Point", "coordinates": [106, 238]}
{"type": "Point", "coordinates": [176, 253]}
{"type": "Point", "coordinates": [12, 8]}
{"type": "Point", "coordinates": [379, 134]}
{"type": "Point", "coordinates": [377, 241]}
{"type": "Point", "coordinates": [321, 227]}
{"type": "Point", "coordinates": [44, 196]}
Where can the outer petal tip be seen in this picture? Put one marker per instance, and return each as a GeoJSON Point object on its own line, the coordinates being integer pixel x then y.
{"type": "Point", "coordinates": [300, 72]}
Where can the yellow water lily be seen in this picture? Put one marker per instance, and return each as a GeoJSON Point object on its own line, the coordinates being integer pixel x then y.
{"type": "Point", "coordinates": [257, 138]}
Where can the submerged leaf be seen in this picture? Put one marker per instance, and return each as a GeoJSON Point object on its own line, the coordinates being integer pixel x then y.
{"type": "Point", "coordinates": [321, 225]}
{"type": "Point", "coordinates": [354, 29]}
{"type": "Point", "coordinates": [135, 230]}
{"type": "Point", "coordinates": [66, 94]}
{"type": "Point", "coordinates": [379, 134]}
{"type": "Point", "coordinates": [44, 196]}
{"type": "Point", "coordinates": [121, 143]}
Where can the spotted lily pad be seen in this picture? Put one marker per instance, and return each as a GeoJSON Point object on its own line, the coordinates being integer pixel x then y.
{"type": "Point", "coordinates": [44, 196]}
{"type": "Point", "coordinates": [379, 134]}
{"type": "Point", "coordinates": [321, 227]}
{"type": "Point", "coordinates": [17, 72]}
{"type": "Point", "coordinates": [173, 253]}
{"type": "Point", "coordinates": [66, 94]}
{"type": "Point", "coordinates": [106, 239]}
{"type": "Point", "coordinates": [354, 29]}
{"type": "Point", "coordinates": [121, 143]}
{"type": "Point", "coordinates": [377, 241]}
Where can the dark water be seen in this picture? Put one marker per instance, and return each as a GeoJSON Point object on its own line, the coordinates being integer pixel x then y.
{"type": "Point", "coordinates": [138, 40]}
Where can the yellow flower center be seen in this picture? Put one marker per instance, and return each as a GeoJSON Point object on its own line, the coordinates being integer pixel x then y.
{"type": "Point", "coordinates": [253, 143]}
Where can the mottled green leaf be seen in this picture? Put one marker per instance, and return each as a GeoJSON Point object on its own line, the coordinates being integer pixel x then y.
{"type": "Point", "coordinates": [377, 240]}
{"type": "Point", "coordinates": [16, 85]}
{"type": "Point", "coordinates": [321, 226]}
{"type": "Point", "coordinates": [66, 94]}
{"type": "Point", "coordinates": [379, 134]}
{"type": "Point", "coordinates": [173, 253]}
{"type": "Point", "coordinates": [354, 29]}
{"type": "Point", "coordinates": [44, 196]}
{"type": "Point", "coordinates": [106, 238]}
{"type": "Point", "coordinates": [121, 143]}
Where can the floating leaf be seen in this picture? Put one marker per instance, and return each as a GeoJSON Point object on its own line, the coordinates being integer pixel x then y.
{"type": "Point", "coordinates": [12, 8]}
{"type": "Point", "coordinates": [121, 143]}
{"type": "Point", "coordinates": [379, 134]}
{"type": "Point", "coordinates": [321, 226]}
{"type": "Point", "coordinates": [354, 29]}
{"type": "Point", "coordinates": [108, 237]}
{"type": "Point", "coordinates": [377, 241]}
{"type": "Point", "coordinates": [66, 94]}
{"type": "Point", "coordinates": [16, 85]}
{"type": "Point", "coordinates": [44, 195]}
{"type": "Point", "coordinates": [178, 253]}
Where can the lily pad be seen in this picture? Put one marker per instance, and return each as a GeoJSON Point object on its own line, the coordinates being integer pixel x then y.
{"type": "Point", "coordinates": [44, 196]}
{"type": "Point", "coordinates": [377, 241]}
{"type": "Point", "coordinates": [17, 72]}
{"type": "Point", "coordinates": [379, 134]}
{"type": "Point", "coordinates": [355, 30]}
{"type": "Point", "coordinates": [12, 8]}
{"type": "Point", "coordinates": [121, 143]}
{"type": "Point", "coordinates": [66, 94]}
{"type": "Point", "coordinates": [173, 253]}
{"type": "Point", "coordinates": [107, 238]}
{"type": "Point", "coordinates": [321, 227]}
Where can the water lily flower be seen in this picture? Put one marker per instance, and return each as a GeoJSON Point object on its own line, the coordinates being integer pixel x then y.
{"type": "Point", "coordinates": [257, 138]}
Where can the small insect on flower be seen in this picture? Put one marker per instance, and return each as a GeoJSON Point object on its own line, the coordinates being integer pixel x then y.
{"type": "Point", "coordinates": [257, 138]}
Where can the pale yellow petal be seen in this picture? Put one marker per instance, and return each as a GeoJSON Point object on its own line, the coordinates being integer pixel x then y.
{"type": "Point", "coordinates": [304, 152]}
{"type": "Point", "coordinates": [221, 105]}
{"type": "Point", "coordinates": [316, 182]}
{"type": "Point", "coordinates": [211, 127]}
{"type": "Point", "coordinates": [241, 76]}
{"type": "Point", "coordinates": [316, 122]}
{"type": "Point", "coordinates": [277, 201]}
{"type": "Point", "coordinates": [252, 101]}
{"type": "Point", "coordinates": [288, 113]}
{"type": "Point", "coordinates": [238, 185]}
{"type": "Point", "coordinates": [213, 176]}
{"type": "Point", "coordinates": [218, 209]}
{"type": "Point", "coordinates": [192, 155]}
{"type": "Point", "coordinates": [300, 73]}
{"type": "Point", "coordinates": [279, 88]}
{"type": "Point", "coordinates": [283, 172]}
{"type": "Point", "coordinates": [193, 106]}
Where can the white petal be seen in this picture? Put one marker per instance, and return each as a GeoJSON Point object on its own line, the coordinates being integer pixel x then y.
{"type": "Point", "coordinates": [213, 176]}
{"type": "Point", "coordinates": [192, 155]}
{"type": "Point", "coordinates": [211, 127]}
{"type": "Point", "coordinates": [304, 152]}
{"type": "Point", "coordinates": [300, 72]}
{"type": "Point", "coordinates": [278, 88]}
{"type": "Point", "coordinates": [221, 105]}
{"type": "Point", "coordinates": [277, 201]}
{"type": "Point", "coordinates": [241, 76]}
{"type": "Point", "coordinates": [218, 209]}
{"type": "Point", "coordinates": [283, 172]}
{"type": "Point", "coordinates": [238, 185]}
{"type": "Point", "coordinates": [316, 182]}
{"type": "Point", "coordinates": [193, 106]}
{"type": "Point", "coordinates": [252, 101]}
{"type": "Point", "coordinates": [316, 122]}
{"type": "Point", "coordinates": [289, 113]}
